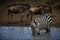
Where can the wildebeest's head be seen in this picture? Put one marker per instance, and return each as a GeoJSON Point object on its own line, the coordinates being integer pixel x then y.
{"type": "Point", "coordinates": [41, 9]}
{"type": "Point", "coordinates": [46, 9]}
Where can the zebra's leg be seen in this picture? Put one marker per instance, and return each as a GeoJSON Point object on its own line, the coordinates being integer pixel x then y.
{"type": "Point", "coordinates": [47, 30]}
{"type": "Point", "coordinates": [48, 27]}
{"type": "Point", "coordinates": [33, 30]}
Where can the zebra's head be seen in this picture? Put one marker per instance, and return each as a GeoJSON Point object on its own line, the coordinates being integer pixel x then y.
{"type": "Point", "coordinates": [42, 9]}
{"type": "Point", "coordinates": [34, 23]}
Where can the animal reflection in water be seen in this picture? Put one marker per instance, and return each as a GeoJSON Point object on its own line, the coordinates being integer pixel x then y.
{"type": "Point", "coordinates": [42, 21]}
{"type": "Point", "coordinates": [18, 8]}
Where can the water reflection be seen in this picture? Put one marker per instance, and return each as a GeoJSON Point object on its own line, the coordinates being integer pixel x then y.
{"type": "Point", "coordinates": [19, 33]}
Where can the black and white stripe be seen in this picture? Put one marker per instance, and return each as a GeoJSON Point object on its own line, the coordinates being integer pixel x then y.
{"type": "Point", "coordinates": [42, 20]}
{"type": "Point", "coordinates": [49, 19]}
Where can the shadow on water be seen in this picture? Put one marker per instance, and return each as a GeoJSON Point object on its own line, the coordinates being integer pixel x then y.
{"type": "Point", "coordinates": [25, 33]}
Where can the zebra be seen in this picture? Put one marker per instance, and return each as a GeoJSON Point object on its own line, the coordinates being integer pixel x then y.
{"type": "Point", "coordinates": [42, 21]}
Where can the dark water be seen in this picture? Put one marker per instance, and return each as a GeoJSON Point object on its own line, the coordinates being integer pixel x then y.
{"type": "Point", "coordinates": [25, 33]}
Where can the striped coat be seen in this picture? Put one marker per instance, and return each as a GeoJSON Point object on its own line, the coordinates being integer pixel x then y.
{"type": "Point", "coordinates": [41, 22]}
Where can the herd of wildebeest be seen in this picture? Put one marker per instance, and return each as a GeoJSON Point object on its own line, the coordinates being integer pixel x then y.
{"type": "Point", "coordinates": [42, 21]}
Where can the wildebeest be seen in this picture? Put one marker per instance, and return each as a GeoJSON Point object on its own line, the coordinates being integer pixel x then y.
{"type": "Point", "coordinates": [45, 8]}
{"type": "Point", "coordinates": [18, 8]}
{"type": "Point", "coordinates": [42, 21]}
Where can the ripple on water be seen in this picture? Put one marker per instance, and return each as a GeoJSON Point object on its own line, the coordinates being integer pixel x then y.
{"type": "Point", "coordinates": [17, 33]}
